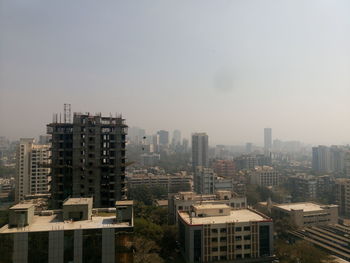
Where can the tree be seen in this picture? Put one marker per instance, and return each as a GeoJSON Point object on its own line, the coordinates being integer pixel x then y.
{"type": "Point", "coordinates": [147, 229]}
{"type": "Point", "coordinates": [301, 252]}
{"type": "Point", "coordinates": [146, 251]}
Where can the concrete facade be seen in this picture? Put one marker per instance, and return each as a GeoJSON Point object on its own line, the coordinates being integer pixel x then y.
{"type": "Point", "coordinates": [217, 233]}
{"type": "Point", "coordinates": [88, 159]}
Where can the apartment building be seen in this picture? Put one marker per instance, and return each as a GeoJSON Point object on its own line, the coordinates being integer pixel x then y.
{"type": "Point", "coordinates": [172, 183]}
{"type": "Point", "coordinates": [215, 232]}
{"type": "Point", "coordinates": [32, 169]}
{"type": "Point", "coordinates": [88, 159]}
{"type": "Point", "coordinates": [264, 176]}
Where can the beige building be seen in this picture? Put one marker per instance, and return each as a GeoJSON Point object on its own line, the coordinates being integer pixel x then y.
{"type": "Point", "coordinates": [306, 213]}
{"type": "Point", "coordinates": [32, 169]}
{"type": "Point", "coordinates": [77, 233]}
{"type": "Point", "coordinates": [264, 176]}
{"type": "Point", "coordinates": [184, 200]}
{"type": "Point", "coordinates": [343, 196]}
{"type": "Point", "coordinates": [215, 232]}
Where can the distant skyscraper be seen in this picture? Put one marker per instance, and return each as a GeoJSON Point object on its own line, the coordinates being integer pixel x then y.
{"type": "Point", "coordinates": [176, 138]}
{"type": "Point", "coordinates": [88, 159]}
{"type": "Point", "coordinates": [163, 137]}
{"type": "Point", "coordinates": [267, 140]}
{"type": "Point", "coordinates": [248, 147]}
{"type": "Point", "coordinates": [32, 169]}
{"type": "Point", "coordinates": [199, 150]}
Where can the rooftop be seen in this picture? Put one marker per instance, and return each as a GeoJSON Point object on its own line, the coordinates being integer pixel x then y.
{"type": "Point", "coordinates": [125, 202]}
{"type": "Point", "coordinates": [55, 222]}
{"type": "Point", "coordinates": [78, 201]}
{"type": "Point", "coordinates": [21, 206]}
{"type": "Point", "coordinates": [305, 206]}
{"type": "Point", "coordinates": [235, 216]}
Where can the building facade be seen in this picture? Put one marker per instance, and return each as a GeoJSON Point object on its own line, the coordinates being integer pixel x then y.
{"type": "Point", "coordinates": [88, 159]}
{"type": "Point", "coordinates": [200, 154]}
{"type": "Point", "coordinates": [306, 213]}
{"type": "Point", "coordinates": [264, 176]}
{"type": "Point", "coordinates": [267, 140]}
{"type": "Point", "coordinates": [32, 169]}
{"type": "Point", "coordinates": [215, 232]}
{"type": "Point", "coordinates": [73, 234]}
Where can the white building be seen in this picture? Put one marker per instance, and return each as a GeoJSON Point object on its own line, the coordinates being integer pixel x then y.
{"type": "Point", "coordinates": [184, 200]}
{"type": "Point", "coordinates": [32, 169]}
{"type": "Point", "coordinates": [215, 232]}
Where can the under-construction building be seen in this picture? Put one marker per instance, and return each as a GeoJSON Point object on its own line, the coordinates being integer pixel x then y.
{"type": "Point", "coordinates": [88, 158]}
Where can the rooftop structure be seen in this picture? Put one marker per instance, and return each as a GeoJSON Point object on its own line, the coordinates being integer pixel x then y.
{"type": "Point", "coordinates": [73, 234]}
{"type": "Point", "coordinates": [184, 200]}
{"type": "Point", "coordinates": [215, 232]}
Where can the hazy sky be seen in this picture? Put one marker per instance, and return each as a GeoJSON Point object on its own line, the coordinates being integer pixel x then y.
{"type": "Point", "coordinates": [229, 68]}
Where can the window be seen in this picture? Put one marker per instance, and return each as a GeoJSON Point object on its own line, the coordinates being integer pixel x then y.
{"type": "Point", "coordinates": [223, 230]}
{"type": "Point", "coordinates": [238, 238]}
{"type": "Point", "coordinates": [214, 249]}
{"type": "Point", "coordinates": [247, 228]}
{"type": "Point", "coordinates": [247, 246]}
{"type": "Point", "coordinates": [239, 247]}
{"type": "Point", "coordinates": [238, 229]}
{"type": "Point", "coordinates": [223, 239]}
{"type": "Point", "coordinates": [214, 239]}
{"type": "Point", "coordinates": [221, 211]}
{"type": "Point", "coordinates": [246, 255]}
{"type": "Point", "coordinates": [223, 248]}
{"type": "Point", "coordinates": [247, 237]}
{"type": "Point", "coordinates": [214, 230]}
{"type": "Point", "coordinates": [239, 256]}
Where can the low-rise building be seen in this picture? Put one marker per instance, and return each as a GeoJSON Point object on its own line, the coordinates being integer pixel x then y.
{"type": "Point", "coordinates": [184, 200]}
{"type": "Point", "coordinates": [215, 232]}
{"type": "Point", "coordinates": [306, 213]}
{"type": "Point", "coordinates": [172, 183]}
{"type": "Point", "coordinates": [73, 234]}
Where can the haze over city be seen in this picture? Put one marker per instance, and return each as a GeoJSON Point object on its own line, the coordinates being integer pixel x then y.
{"type": "Point", "coordinates": [229, 68]}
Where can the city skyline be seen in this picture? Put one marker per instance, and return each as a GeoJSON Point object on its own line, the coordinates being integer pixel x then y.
{"type": "Point", "coordinates": [227, 68]}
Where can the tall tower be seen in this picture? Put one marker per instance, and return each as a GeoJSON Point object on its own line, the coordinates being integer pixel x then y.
{"type": "Point", "coordinates": [88, 159]}
{"type": "Point", "coordinates": [200, 150]}
{"type": "Point", "coordinates": [32, 169]}
{"type": "Point", "coordinates": [267, 140]}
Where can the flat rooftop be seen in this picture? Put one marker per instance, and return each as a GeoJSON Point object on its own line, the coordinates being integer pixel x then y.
{"type": "Point", "coordinates": [21, 206]}
{"type": "Point", "coordinates": [55, 222]}
{"type": "Point", "coordinates": [235, 216]}
{"type": "Point", "coordinates": [124, 202]}
{"type": "Point", "coordinates": [211, 206]}
{"type": "Point", "coordinates": [305, 206]}
{"type": "Point", "coordinates": [78, 201]}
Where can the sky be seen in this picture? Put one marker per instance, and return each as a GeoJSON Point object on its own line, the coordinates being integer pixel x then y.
{"type": "Point", "coordinates": [229, 68]}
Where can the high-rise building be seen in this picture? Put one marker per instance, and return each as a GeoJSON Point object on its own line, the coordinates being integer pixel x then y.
{"type": "Point", "coordinates": [88, 159]}
{"type": "Point", "coordinates": [176, 138]}
{"type": "Point", "coordinates": [249, 147]}
{"type": "Point", "coordinates": [267, 140]}
{"type": "Point", "coordinates": [163, 137]}
{"type": "Point", "coordinates": [32, 169]}
{"type": "Point", "coordinates": [203, 180]}
{"type": "Point", "coordinates": [200, 153]}
{"type": "Point", "coordinates": [343, 196]}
